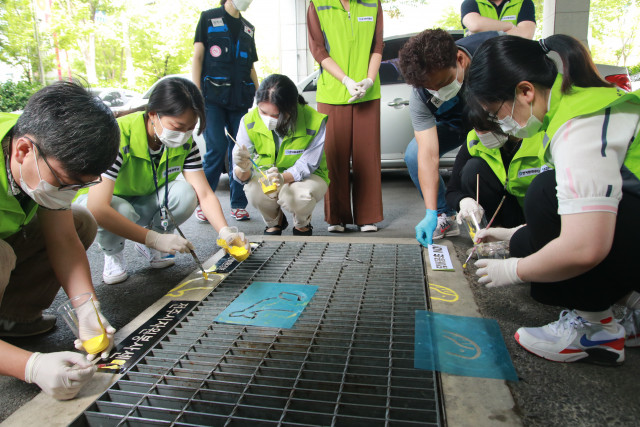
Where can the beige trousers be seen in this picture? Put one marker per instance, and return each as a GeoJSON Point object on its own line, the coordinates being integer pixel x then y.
{"type": "Point", "coordinates": [298, 198]}
{"type": "Point", "coordinates": [32, 285]}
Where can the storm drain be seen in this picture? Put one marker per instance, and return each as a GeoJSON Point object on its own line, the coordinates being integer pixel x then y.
{"type": "Point", "coordinates": [347, 361]}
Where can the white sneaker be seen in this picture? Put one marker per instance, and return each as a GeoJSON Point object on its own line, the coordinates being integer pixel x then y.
{"type": "Point", "coordinates": [368, 228]}
{"type": "Point", "coordinates": [572, 338]}
{"type": "Point", "coordinates": [115, 269]}
{"type": "Point", "coordinates": [631, 323]}
{"type": "Point", "coordinates": [156, 258]}
{"type": "Point", "coordinates": [447, 226]}
{"type": "Point", "coordinates": [336, 228]}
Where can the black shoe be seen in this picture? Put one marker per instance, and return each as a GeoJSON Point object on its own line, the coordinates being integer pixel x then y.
{"type": "Point", "coordinates": [9, 328]}
{"type": "Point", "coordinates": [309, 232]}
{"type": "Point", "coordinates": [278, 228]}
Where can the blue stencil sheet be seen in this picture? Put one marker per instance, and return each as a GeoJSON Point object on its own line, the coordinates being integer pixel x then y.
{"type": "Point", "coordinates": [459, 345]}
{"type": "Point", "coordinates": [275, 305]}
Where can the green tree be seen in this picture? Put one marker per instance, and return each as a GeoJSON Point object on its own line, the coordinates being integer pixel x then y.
{"type": "Point", "coordinates": [613, 24]}
{"type": "Point", "coordinates": [17, 39]}
{"type": "Point", "coordinates": [392, 7]}
{"type": "Point", "coordinates": [14, 96]}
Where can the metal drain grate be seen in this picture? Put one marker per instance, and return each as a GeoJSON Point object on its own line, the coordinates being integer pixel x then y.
{"type": "Point", "coordinates": [347, 361]}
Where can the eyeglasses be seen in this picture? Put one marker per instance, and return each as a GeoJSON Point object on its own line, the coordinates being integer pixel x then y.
{"type": "Point", "coordinates": [63, 187]}
{"type": "Point", "coordinates": [494, 116]}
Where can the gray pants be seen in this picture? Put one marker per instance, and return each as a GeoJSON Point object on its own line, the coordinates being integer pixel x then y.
{"type": "Point", "coordinates": [299, 198]}
{"type": "Point", "coordinates": [145, 211]}
{"type": "Point", "coordinates": [32, 285]}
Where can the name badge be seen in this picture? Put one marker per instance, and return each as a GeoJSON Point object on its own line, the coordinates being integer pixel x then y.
{"type": "Point", "coordinates": [175, 169]}
{"type": "Point", "coordinates": [217, 22]}
{"type": "Point", "coordinates": [509, 18]}
{"type": "Point", "coordinates": [292, 152]}
{"type": "Point", "coordinates": [528, 172]}
{"type": "Point", "coordinates": [437, 102]}
{"type": "Point", "coordinates": [365, 18]}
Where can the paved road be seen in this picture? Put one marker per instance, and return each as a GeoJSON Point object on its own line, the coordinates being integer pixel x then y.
{"type": "Point", "coordinates": [548, 393]}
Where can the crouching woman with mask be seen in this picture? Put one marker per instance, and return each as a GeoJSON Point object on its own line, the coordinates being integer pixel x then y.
{"type": "Point", "coordinates": [139, 198]}
{"type": "Point", "coordinates": [286, 137]}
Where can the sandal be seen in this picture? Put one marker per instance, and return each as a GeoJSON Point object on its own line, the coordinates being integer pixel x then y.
{"type": "Point", "coordinates": [278, 228]}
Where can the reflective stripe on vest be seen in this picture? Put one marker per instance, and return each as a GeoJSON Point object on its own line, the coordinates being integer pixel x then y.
{"type": "Point", "coordinates": [526, 164]}
{"type": "Point", "coordinates": [307, 126]}
{"type": "Point", "coordinates": [348, 39]}
{"type": "Point", "coordinates": [12, 217]}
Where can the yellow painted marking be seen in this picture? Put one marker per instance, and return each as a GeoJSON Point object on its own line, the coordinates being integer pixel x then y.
{"type": "Point", "coordinates": [446, 294]}
{"type": "Point", "coordinates": [468, 349]}
{"type": "Point", "coordinates": [180, 290]}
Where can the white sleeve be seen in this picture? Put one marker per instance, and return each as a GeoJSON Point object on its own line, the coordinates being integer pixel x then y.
{"type": "Point", "coordinates": [588, 152]}
{"type": "Point", "coordinates": [242, 139]}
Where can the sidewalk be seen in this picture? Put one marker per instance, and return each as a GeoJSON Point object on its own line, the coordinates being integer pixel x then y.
{"type": "Point", "coordinates": [548, 393]}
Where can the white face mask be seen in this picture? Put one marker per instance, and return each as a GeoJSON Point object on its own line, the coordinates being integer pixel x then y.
{"type": "Point", "coordinates": [447, 92]}
{"type": "Point", "coordinates": [241, 5]}
{"type": "Point", "coordinates": [511, 127]}
{"type": "Point", "coordinates": [173, 138]}
{"type": "Point", "coordinates": [269, 121]}
{"type": "Point", "coordinates": [492, 140]}
{"type": "Point", "coordinates": [47, 195]}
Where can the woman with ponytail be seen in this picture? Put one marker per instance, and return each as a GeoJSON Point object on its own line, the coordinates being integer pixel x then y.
{"type": "Point", "coordinates": [581, 230]}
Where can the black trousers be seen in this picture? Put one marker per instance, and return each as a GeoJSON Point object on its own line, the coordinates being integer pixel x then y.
{"type": "Point", "coordinates": [603, 285]}
{"type": "Point", "coordinates": [491, 192]}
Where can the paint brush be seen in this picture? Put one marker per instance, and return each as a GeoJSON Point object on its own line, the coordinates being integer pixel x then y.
{"type": "Point", "coordinates": [193, 254]}
{"type": "Point", "coordinates": [488, 225]}
{"type": "Point", "coordinates": [250, 159]}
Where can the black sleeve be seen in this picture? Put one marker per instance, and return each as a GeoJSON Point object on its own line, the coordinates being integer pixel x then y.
{"type": "Point", "coordinates": [527, 11]}
{"type": "Point", "coordinates": [468, 6]}
{"type": "Point", "coordinates": [454, 193]}
{"type": "Point", "coordinates": [201, 30]}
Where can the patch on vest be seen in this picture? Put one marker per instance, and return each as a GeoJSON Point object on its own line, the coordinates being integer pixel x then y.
{"type": "Point", "coordinates": [528, 172]}
{"type": "Point", "coordinates": [175, 169]}
{"type": "Point", "coordinates": [437, 102]}
{"type": "Point", "coordinates": [365, 18]}
{"type": "Point", "coordinates": [509, 18]}
{"type": "Point", "coordinates": [292, 152]}
{"type": "Point", "coordinates": [248, 30]}
{"type": "Point", "coordinates": [217, 22]}
{"type": "Point", "coordinates": [215, 51]}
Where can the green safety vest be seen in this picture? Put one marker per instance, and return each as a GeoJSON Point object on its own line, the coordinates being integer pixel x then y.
{"type": "Point", "coordinates": [135, 177]}
{"type": "Point", "coordinates": [307, 126]}
{"type": "Point", "coordinates": [12, 216]}
{"type": "Point", "coordinates": [509, 13]}
{"type": "Point", "coordinates": [526, 164]}
{"type": "Point", "coordinates": [588, 100]}
{"type": "Point", "coordinates": [348, 38]}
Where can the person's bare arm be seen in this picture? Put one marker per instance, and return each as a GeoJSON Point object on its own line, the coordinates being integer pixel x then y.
{"type": "Point", "coordinates": [196, 63]}
{"type": "Point", "coordinates": [428, 166]}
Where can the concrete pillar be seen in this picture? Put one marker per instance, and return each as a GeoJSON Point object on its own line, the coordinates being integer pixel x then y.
{"type": "Point", "coordinates": [295, 59]}
{"type": "Point", "coordinates": [569, 17]}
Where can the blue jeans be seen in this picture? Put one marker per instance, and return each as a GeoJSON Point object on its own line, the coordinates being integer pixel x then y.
{"type": "Point", "coordinates": [448, 140]}
{"type": "Point", "coordinates": [219, 145]}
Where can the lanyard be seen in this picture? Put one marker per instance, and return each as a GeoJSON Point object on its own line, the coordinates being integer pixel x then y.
{"type": "Point", "coordinates": [164, 221]}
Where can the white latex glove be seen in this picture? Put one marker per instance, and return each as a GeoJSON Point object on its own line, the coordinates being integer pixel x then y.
{"type": "Point", "coordinates": [88, 327]}
{"type": "Point", "coordinates": [496, 234]}
{"type": "Point", "coordinates": [242, 159]}
{"type": "Point", "coordinates": [170, 243]}
{"type": "Point", "coordinates": [365, 85]}
{"type": "Point", "coordinates": [275, 176]}
{"type": "Point", "coordinates": [354, 89]}
{"type": "Point", "coordinates": [233, 237]}
{"type": "Point", "coordinates": [469, 208]}
{"type": "Point", "coordinates": [60, 375]}
{"type": "Point", "coordinates": [7, 263]}
{"type": "Point", "coordinates": [498, 272]}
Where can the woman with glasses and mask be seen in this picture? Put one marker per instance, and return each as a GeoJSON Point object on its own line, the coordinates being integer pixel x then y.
{"type": "Point", "coordinates": [286, 137]}
{"type": "Point", "coordinates": [139, 198]}
{"type": "Point", "coordinates": [581, 232]}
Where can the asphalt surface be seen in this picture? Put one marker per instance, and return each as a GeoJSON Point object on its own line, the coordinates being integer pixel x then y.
{"type": "Point", "coordinates": [548, 393]}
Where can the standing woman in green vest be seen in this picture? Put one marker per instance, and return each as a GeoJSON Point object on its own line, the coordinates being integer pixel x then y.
{"type": "Point", "coordinates": [345, 37]}
{"type": "Point", "coordinates": [581, 237]}
{"type": "Point", "coordinates": [287, 137]}
{"type": "Point", "coordinates": [514, 17]}
{"type": "Point", "coordinates": [139, 196]}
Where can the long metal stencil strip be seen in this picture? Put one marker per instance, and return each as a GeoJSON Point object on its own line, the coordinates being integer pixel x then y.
{"type": "Point", "coordinates": [347, 361]}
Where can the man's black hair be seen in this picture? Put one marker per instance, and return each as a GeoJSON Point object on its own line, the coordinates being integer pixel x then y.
{"type": "Point", "coordinates": [72, 126]}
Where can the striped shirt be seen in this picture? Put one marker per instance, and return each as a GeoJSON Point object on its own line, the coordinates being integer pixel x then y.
{"type": "Point", "coordinates": [192, 163]}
